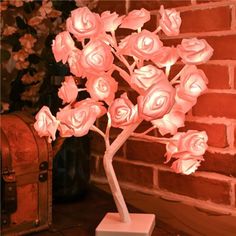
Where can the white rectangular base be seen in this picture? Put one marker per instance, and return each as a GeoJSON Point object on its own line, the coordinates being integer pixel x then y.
{"type": "Point", "coordinates": [140, 225]}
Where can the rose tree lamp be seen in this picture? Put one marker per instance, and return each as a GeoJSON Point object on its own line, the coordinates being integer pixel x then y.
{"type": "Point", "coordinates": [90, 48]}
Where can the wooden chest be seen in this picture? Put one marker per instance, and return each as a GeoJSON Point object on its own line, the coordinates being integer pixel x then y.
{"type": "Point", "coordinates": [26, 174]}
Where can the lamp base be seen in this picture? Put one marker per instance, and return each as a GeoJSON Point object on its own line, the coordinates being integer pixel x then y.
{"type": "Point", "coordinates": [140, 225]}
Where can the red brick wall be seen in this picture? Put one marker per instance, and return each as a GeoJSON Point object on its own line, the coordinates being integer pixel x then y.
{"type": "Point", "coordinates": [140, 163]}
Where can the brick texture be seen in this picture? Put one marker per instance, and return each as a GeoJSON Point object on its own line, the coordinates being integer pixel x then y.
{"type": "Point", "coordinates": [136, 174]}
{"type": "Point", "coordinates": [216, 133]}
{"type": "Point", "coordinates": [218, 76]}
{"type": "Point", "coordinates": [220, 163]}
{"type": "Point", "coordinates": [197, 187]}
{"type": "Point", "coordinates": [206, 20]}
{"type": "Point", "coordinates": [155, 4]}
{"type": "Point", "coordinates": [111, 5]}
{"type": "Point", "coordinates": [217, 105]}
{"type": "Point", "coordinates": [235, 77]}
{"type": "Point", "coordinates": [235, 136]}
{"type": "Point", "coordinates": [145, 151]}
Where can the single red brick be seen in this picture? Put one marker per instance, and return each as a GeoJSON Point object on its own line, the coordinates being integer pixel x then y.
{"type": "Point", "coordinates": [145, 151]}
{"type": "Point", "coordinates": [213, 19]}
{"type": "Point", "coordinates": [235, 77]}
{"type": "Point", "coordinates": [220, 163]}
{"type": "Point", "coordinates": [217, 133]}
{"type": "Point", "coordinates": [196, 187]}
{"type": "Point", "coordinates": [221, 81]}
{"type": "Point", "coordinates": [132, 173]}
{"type": "Point", "coordinates": [224, 47]}
{"type": "Point", "coordinates": [235, 136]}
{"type": "Point", "coordinates": [217, 105]}
{"type": "Point", "coordinates": [111, 5]}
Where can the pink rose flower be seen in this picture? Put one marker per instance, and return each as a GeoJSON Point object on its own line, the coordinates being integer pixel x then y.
{"type": "Point", "coordinates": [68, 91]}
{"type": "Point", "coordinates": [187, 165]}
{"type": "Point", "coordinates": [136, 19]}
{"type": "Point", "coordinates": [192, 142]}
{"type": "Point", "coordinates": [192, 84]}
{"type": "Point", "coordinates": [96, 57]}
{"type": "Point", "coordinates": [46, 124]}
{"type": "Point", "coordinates": [102, 88]}
{"type": "Point", "coordinates": [170, 21]}
{"type": "Point", "coordinates": [62, 46]}
{"type": "Point", "coordinates": [84, 24]}
{"type": "Point", "coordinates": [165, 56]}
{"type": "Point", "coordinates": [170, 122]}
{"type": "Point", "coordinates": [78, 121]}
{"type": "Point", "coordinates": [143, 45]}
{"type": "Point", "coordinates": [122, 112]}
{"type": "Point", "coordinates": [146, 76]}
{"type": "Point", "coordinates": [194, 51]}
{"type": "Point", "coordinates": [157, 100]}
{"type": "Point", "coordinates": [74, 62]}
{"type": "Point", "coordinates": [111, 20]}
{"type": "Point", "coordinates": [193, 81]}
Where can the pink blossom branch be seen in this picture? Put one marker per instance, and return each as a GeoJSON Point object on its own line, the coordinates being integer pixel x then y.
{"type": "Point", "coordinates": [151, 138]}
{"type": "Point", "coordinates": [110, 173]}
{"type": "Point", "coordinates": [107, 133]}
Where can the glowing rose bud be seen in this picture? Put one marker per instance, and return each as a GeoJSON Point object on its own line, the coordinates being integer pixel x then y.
{"type": "Point", "coordinates": [111, 21]}
{"type": "Point", "coordinates": [192, 142]}
{"type": "Point", "coordinates": [194, 51]}
{"type": "Point", "coordinates": [186, 165]}
{"type": "Point", "coordinates": [146, 76]}
{"type": "Point", "coordinates": [136, 19]}
{"type": "Point", "coordinates": [157, 100]}
{"type": "Point", "coordinates": [165, 56]}
{"type": "Point", "coordinates": [102, 88]}
{"type": "Point", "coordinates": [122, 112]}
{"type": "Point", "coordinates": [84, 24]}
{"type": "Point", "coordinates": [170, 21]}
{"type": "Point", "coordinates": [193, 81]}
{"type": "Point", "coordinates": [62, 46]}
{"type": "Point", "coordinates": [68, 91]}
{"type": "Point", "coordinates": [170, 122]}
{"type": "Point", "coordinates": [74, 62]}
{"type": "Point", "coordinates": [143, 45]}
{"type": "Point", "coordinates": [96, 57]}
{"type": "Point", "coordinates": [46, 124]}
{"type": "Point", "coordinates": [77, 121]}
{"type": "Point", "coordinates": [192, 84]}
